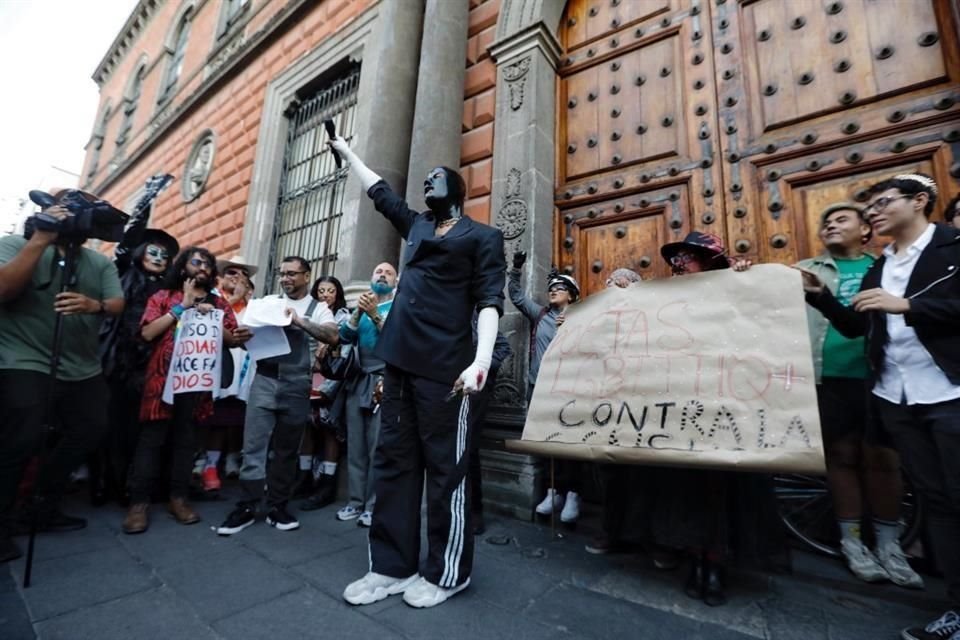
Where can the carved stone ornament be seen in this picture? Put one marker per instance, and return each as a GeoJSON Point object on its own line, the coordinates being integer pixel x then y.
{"type": "Point", "coordinates": [512, 216]}
{"type": "Point", "coordinates": [199, 165]}
{"type": "Point", "coordinates": [515, 76]}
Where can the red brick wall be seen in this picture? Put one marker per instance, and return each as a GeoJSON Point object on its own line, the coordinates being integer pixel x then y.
{"type": "Point", "coordinates": [476, 150]}
{"type": "Point", "coordinates": [216, 218]}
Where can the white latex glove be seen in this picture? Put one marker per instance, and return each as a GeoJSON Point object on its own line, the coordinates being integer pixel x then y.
{"type": "Point", "coordinates": [367, 177]}
{"type": "Point", "coordinates": [474, 377]}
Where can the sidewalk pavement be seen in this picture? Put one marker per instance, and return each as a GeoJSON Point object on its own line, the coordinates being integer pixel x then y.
{"type": "Point", "coordinates": [178, 581]}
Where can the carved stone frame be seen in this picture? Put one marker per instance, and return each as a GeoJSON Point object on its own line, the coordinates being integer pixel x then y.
{"type": "Point", "coordinates": [526, 51]}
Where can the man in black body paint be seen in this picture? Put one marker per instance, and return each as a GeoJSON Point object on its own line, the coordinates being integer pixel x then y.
{"type": "Point", "coordinates": [452, 266]}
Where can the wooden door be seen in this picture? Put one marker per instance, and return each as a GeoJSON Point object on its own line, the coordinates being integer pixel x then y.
{"type": "Point", "coordinates": [742, 119]}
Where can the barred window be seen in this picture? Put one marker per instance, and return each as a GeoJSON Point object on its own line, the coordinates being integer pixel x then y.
{"type": "Point", "coordinates": [311, 186]}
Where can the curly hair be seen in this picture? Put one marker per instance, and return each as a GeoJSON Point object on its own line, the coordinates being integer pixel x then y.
{"type": "Point", "coordinates": [178, 271]}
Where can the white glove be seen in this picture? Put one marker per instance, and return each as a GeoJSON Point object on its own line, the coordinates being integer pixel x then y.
{"type": "Point", "coordinates": [367, 177]}
{"type": "Point", "coordinates": [474, 377]}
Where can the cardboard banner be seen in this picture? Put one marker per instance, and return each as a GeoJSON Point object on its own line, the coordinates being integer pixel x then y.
{"type": "Point", "coordinates": [711, 369]}
{"type": "Point", "coordinates": [197, 351]}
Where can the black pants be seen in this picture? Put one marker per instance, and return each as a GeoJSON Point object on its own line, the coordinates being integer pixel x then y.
{"type": "Point", "coordinates": [421, 432]}
{"type": "Point", "coordinates": [114, 457]}
{"type": "Point", "coordinates": [80, 410]}
{"type": "Point", "coordinates": [928, 439]}
{"type": "Point", "coordinates": [181, 432]}
{"type": "Point", "coordinates": [478, 413]}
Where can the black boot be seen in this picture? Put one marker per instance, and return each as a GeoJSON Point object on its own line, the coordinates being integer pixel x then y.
{"type": "Point", "coordinates": [305, 486]}
{"type": "Point", "coordinates": [695, 581]}
{"type": "Point", "coordinates": [713, 585]}
{"type": "Point", "coordinates": [325, 492]}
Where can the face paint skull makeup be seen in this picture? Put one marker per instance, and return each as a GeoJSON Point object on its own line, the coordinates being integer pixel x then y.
{"type": "Point", "coordinates": [155, 259]}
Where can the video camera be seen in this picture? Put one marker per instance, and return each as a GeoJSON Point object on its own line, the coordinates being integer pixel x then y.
{"type": "Point", "coordinates": [92, 218]}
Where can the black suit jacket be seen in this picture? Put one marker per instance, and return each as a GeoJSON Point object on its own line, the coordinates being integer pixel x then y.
{"type": "Point", "coordinates": [934, 294]}
{"type": "Point", "coordinates": [443, 280]}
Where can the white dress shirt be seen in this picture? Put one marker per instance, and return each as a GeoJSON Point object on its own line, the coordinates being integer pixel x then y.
{"type": "Point", "coordinates": [909, 372]}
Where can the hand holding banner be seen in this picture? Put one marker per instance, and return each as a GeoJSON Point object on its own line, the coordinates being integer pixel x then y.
{"type": "Point", "coordinates": [710, 369]}
{"type": "Point", "coordinates": [197, 350]}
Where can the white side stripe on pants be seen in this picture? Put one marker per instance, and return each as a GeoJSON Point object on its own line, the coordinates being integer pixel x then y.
{"type": "Point", "coordinates": [454, 550]}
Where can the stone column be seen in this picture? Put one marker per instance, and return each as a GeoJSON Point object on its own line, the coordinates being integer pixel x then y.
{"type": "Point", "coordinates": [437, 120]}
{"type": "Point", "coordinates": [523, 183]}
{"type": "Point", "coordinates": [385, 109]}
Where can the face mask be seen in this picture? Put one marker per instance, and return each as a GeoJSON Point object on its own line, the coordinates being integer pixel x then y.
{"type": "Point", "coordinates": [380, 288]}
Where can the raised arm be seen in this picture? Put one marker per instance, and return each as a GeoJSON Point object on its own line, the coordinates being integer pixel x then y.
{"type": "Point", "coordinates": [520, 300]}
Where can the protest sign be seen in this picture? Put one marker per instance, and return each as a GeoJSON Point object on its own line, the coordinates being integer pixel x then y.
{"type": "Point", "coordinates": [711, 369]}
{"type": "Point", "coordinates": [197, 349]}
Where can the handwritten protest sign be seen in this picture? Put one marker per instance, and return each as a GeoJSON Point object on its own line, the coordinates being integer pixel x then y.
{"type": "Point", "coordinates": [710, 369]}
{"type": "Point", "coordinates": [197, 349]}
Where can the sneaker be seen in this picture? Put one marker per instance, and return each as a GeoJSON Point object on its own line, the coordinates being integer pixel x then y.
{"type": "Point", "coordinates": [238, 520]}
{"type": "Point", "coordinates": [80, 474]}
{"type": "Point", "coordinates": [280, 519]}
{"type": "Point", "coordinates": [211, 481]}
{"type": "Point", "coordinates": [231, 466]}
{"type": "Point", "coordinates": [550, 503]}
{"type": "Point", "coordinates": [365, 519]}
{"type": "Point", "coordinates": [571, 508]}
{"type": "Point", "coordinates": [599, 545]}
{"type": "Point", "coordinates": [374, 587]}
{"type": "Point", "coordinates": [199, 464]}
{"type": "Point", "coordinates": [424, 594]}
{"type": "Point", "coordinates": [349, 512]}
{"type": "Point", "coordinates": [324, 493]}
{"type": "Point", "coordinates": [894, 561]}
{"type": "Point", "coordinates": [946, 627]}
{"type": "Point", "coordinates": [861, 561]}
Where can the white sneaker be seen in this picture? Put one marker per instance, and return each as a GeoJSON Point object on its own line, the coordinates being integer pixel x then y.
{"type": "Point", "coordinates": [894, 561]}
{"type": "Point", "coordinates": [365, 519]}
{"type": "Point", "coordinates": [231, 465]}
{"type": "Point", "coordinates": [552, 502]}
{"type": "Point", "coordinates": [571, 508]}
{"type": "Point", "coordinates": [374, 587]}
{"type": "Point", "coordinates": [349, 512]}
{"type": "Point", "coordinates": [861, 561]}
{"type": "Point", "coordinates": [424, 594]}
{"type": "Point", "coordinates": [946, 627]}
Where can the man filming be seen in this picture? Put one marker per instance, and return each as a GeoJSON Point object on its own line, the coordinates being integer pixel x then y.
{"type": "Point", "coordinates": [31, 296]}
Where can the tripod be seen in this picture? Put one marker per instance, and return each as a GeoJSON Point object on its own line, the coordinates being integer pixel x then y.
{"type": "Point", "coordinates": [68, 279]}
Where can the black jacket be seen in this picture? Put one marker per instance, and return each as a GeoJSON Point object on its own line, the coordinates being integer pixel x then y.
{"type": "Point", "coordinates": [443, 280]}
{"type": "Point", "coordinates": [934, 294]}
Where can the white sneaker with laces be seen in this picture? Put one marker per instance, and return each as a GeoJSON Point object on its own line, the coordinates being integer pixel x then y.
{"type": "Point", "coordinates": [349, 512]}
{"type": "Point", "coordinates": [946, 627]}
{"type": "Point", "coordinates": [374, 587]}
{"type": "Point", "coordinates": [423, 594]}
{"type": "Point", "coordinates": [861, 561]}
{"type": "Point", "coordinates": [894, 561]}
{"type": "Point", "coordinates": [365, 519]}
{"type": "Point", "coordinates": [552, 502]}
{"type": "Point", "coordinates": [571, 508]}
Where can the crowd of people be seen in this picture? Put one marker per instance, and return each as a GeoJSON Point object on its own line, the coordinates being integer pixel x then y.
{"type": "Point", "coordinates": [401, 379]}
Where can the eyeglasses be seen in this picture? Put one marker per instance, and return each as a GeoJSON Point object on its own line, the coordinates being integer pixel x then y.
{"type": "Point", "coordinates": [556, 287]}
{"type": "Point", "coordinates": [155, 252]}
{"type": "Point", "coordinates": [880, 204]}
{"type": "Point", "coordinates": [289, 274]}
{"type": "Point", "coordinates": [233, 271]}
{"type": "Point", "coordinates": [680, 261]}
{"type": "Point", "coordinates": [199, 262]}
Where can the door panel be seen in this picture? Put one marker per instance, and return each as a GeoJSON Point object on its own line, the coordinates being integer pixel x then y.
{"type": "Point", "coordinates": [754, 114]}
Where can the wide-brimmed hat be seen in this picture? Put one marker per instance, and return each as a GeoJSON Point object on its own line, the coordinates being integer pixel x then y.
{"type": "Point", "coordinates": [236, 261]}
{"type": "Point", "coordinates": [705, 244]}
{"type": "Point", "coordinates": [162, 238]}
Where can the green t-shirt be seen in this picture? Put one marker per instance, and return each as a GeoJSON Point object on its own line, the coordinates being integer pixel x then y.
{"type": "Point", "coordinates": [844, 357]}
{"type": "Point", "coordinates": [27, 323]}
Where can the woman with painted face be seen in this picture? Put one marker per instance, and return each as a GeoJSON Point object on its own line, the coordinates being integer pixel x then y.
{"type": "Point", "coordinates": [143, 258]}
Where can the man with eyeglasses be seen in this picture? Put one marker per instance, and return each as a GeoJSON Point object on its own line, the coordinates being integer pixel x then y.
{"type": "Point", "coordinates": [31, 270]}
{"type": "Point", "coordinates": [908, 309]}
{"type": "Point", "coordinates": [188, 285]}
{"type": "Point", "coordinates": [562, 291]}
{"type": "Point", "coordinates": [278, 408]}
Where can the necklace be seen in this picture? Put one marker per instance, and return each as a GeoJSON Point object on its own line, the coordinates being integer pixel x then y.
{"type": "Point", "coordinates": [449, 222]}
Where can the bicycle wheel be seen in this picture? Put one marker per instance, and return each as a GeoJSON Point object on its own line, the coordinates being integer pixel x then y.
{"type": "Point", "coordinates": [806, 509]}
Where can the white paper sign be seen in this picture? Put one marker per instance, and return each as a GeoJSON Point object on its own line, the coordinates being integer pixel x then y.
{"type": "Point", "coordinates": [197, 349]}
{"type": "Point", "coordinates": [267, 342]}
{"type": "Point", "coordinates": [266, 312]}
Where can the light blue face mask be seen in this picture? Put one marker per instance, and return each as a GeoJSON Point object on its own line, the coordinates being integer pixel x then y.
{"type": "Point", "coordinates": [380, 288]}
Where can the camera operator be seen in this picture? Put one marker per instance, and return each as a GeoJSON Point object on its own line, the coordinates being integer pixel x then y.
{"type": "Point", "coordinates": [31, 272]}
